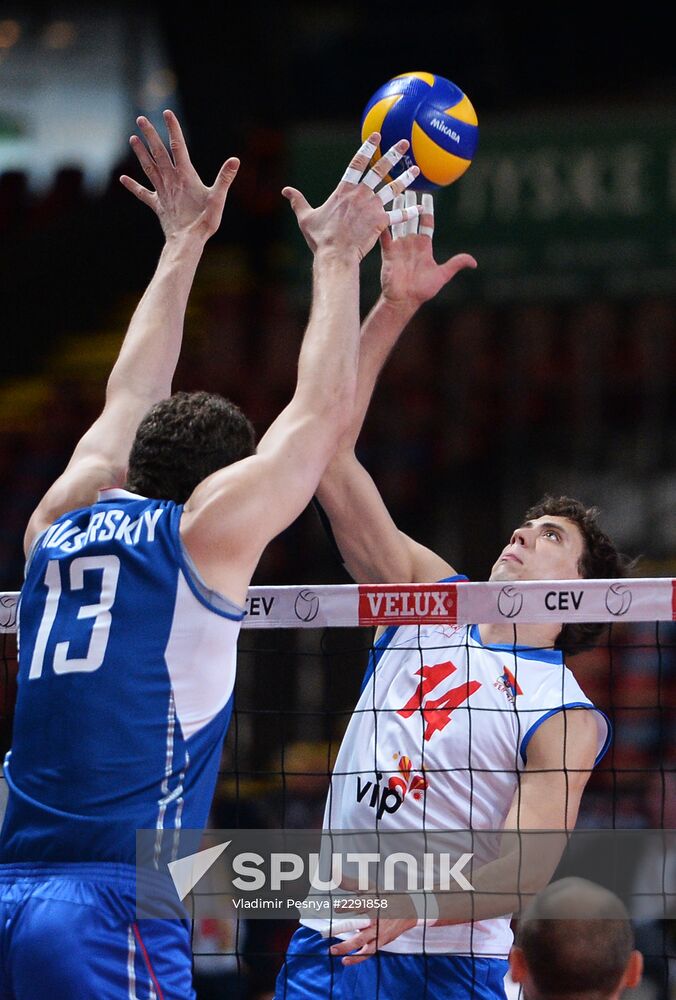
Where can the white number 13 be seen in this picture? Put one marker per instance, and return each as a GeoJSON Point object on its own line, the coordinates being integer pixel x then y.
{"type": "Point", "coordinates": [99, 612]}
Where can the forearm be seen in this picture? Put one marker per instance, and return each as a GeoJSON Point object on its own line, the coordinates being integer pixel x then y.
{"type": "Point", "coordinates": [150, 351]}
{"type": "Point", "coordinates": [379, 334]}
{"type": "Point", "coordinates": [327, 365]}
{"type": "Point", "coordinates": [372, 548]}
{"type": "Point", "coordinates": [507, 884]}
{"type": "Point", "coordinates": [345, 485]}
{"type": "Point", "coordinates": [539, 823]}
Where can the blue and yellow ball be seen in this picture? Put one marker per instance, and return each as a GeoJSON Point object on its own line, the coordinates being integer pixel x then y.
{"type": "Point", "coordinates": [435, 116]}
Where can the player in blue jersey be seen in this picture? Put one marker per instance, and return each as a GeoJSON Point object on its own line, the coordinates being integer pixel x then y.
{"type": "Point", "coordinates": [138, 563]}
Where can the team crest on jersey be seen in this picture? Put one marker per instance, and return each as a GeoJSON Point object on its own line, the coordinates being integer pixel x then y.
{"type": "Point", "coordinates": [448, 631]}
{"type": "Point", "coordinates": [508, 685]}
{"type": "Point", "coordinates": [388, 798]}
{"type": "Point", "coordinates": [437, 712]}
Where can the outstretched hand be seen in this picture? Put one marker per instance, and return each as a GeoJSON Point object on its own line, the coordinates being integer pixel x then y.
{"type": "Point", "coordinates": [180, 199]}
{"type": "Point", "coordinates": [353, 216]}
{"type": "Point", "coordinates": [409, 274]}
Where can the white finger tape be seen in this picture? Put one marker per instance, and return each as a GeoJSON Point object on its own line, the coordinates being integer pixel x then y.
{"type": "Point", "coordinates": [428, 204]}
{"type": "Point", "coordinates": [371, 180]}
{"type": "Point", "coordinates": [398, 230]}
{"type": "Point", "coordinates": [412, 225]}
{"type": "Point", "coordinates": [407, 177]}
{"type": "Point", "coordinates": [385, 194]}
{"type": "Point", "coordinates": [426, 231]}
{"type": "Point", "coordinates": [402, 215]}
{"type": "Point", "coordinates": [366, 149]}
{"type": "Point", "coordinates": [392, 155]}
{"type": "Point", "coordinates": [352, 176]}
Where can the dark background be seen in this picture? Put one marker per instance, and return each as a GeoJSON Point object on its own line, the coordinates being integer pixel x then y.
{"type": "Point", "coordinates": [487, 403]}
{"type": "Point", "coordinates": [296, 62]}
{"type": "Point", "coordinates": [458, 458]}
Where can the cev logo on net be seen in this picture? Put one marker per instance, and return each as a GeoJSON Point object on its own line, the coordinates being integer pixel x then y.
{"type": "Point", "coordinates": [510, 602]}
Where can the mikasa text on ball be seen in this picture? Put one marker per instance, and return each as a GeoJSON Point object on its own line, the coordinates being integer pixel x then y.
{"type": "Point", "coordinates": [435, 116]}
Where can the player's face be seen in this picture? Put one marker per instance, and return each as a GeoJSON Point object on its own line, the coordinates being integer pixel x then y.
{"type": "Point", "coordinates": [548, 548]}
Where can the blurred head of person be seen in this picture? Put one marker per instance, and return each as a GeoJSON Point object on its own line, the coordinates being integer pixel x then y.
{"type": "Point", "coordinates": [575, 942]}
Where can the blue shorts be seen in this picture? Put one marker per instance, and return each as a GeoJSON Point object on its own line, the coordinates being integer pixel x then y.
{"type": "Point", "coordinates": [69, 931]}
{"type": "Point", "coordinates": [310, 973]}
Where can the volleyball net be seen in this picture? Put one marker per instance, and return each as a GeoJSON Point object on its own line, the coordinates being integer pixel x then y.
{"type": "Point", "coordinates": [303, 654]}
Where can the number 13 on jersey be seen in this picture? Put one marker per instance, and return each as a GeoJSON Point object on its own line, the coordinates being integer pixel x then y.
{"type": "Point", "coordinates": [100, 613]}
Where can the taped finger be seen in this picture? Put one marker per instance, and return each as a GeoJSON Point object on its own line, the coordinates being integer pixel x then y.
{"type": "Point", "coordinates": [399, 229]}
{"type": "Point", "coordinates": [407, 177]}
{"type": "Point", "coordinates": [427, 220]}
{"type": "Point", "coordinates": [371, 179]}
{"type": "Point", "coordinates": [363, 156]}
{"type": "Point", "coordinates": [390, 159]}
{"type": "Point", "coordinates": [410, 200]}
{"type": "Point", "coordinates": [381, 169]}
{"type": "Point", "coordinates": [403, 180]}
{"type": "Point", "coordinates": [403, 215]}
{"type": "Point", "coordinates": [351, 176]}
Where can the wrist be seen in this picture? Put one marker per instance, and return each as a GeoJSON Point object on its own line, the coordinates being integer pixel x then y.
{"type": "Point", "coordinates": [189, 238]}
{"type": "Point", "coordinates": [334, 257]}
{"type": "Point", "coordinates": [400, 309]}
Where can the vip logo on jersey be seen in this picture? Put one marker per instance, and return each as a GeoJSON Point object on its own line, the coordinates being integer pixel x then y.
{"type": "Point", "coordinates": [437, 712]}
{"type": "Point", "coordinates": [508, 685]}
{"type": "Point", "coordinates": [390, 797]}
{"type": "Point", "coordinates": [404, 782]}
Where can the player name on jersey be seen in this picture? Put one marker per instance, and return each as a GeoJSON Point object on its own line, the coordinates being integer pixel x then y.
{"type": "Point", "coordinates": [103, 526]}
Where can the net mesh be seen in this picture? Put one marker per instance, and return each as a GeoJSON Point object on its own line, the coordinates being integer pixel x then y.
{"type": "Point", "coordinates": [299, 678]}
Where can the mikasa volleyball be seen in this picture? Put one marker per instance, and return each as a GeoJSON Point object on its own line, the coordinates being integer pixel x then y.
{"type": "Point", "coordinates": [436, 117]}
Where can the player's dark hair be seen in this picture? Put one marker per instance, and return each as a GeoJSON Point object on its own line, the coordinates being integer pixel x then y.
{"type": "Point", "coordinates": [182, 440]}
{"type": "Point", "coordinates": [576, 939]}
{"type": "Point", "coordinates": [600, 560]}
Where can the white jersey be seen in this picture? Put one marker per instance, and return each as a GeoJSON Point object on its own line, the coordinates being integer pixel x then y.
{"type": "Point", "coordinates": [437, 741]}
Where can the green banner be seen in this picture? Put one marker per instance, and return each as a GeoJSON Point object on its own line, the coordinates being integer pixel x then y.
{"type": "Point", "coordinates": [551, 207]}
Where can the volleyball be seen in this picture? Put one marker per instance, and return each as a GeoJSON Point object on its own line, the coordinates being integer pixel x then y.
{"type": "Point", "coordinates": [435, 116]}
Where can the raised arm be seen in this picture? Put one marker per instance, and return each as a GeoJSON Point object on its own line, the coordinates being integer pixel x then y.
{"type": "Point", "coordinates": [189, 213]}
{"type": "Point", "coordinates": [373, 548]}
{"type": "Point", "coordinates": [233, 514]}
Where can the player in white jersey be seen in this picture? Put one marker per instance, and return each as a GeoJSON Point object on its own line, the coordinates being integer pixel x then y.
{"type": "Point", "coordinates": [138, 562]}
{"type": "Point", "coordinates": [476, 728]}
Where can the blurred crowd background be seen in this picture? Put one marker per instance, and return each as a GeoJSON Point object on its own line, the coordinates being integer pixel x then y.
{"type": "Point", "coordinates": [550, 369]}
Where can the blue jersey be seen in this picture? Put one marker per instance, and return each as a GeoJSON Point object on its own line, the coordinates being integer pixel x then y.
{"type": "Point", "coordinates": [127, 669]}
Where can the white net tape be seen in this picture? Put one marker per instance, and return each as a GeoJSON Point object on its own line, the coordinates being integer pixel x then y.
{"type": "Point", "coordinates": [532, 601]}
